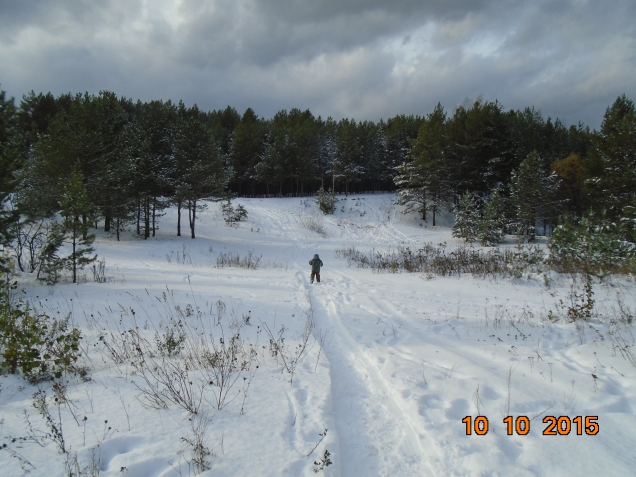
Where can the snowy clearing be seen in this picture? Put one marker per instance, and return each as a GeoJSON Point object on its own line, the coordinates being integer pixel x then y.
{"type": "Point", "coordinates": [392, 366]}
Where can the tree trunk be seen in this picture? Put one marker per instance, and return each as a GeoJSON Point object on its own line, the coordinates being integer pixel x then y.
{"type": "Point", "coordinates": [194, 216]}
{"type": "Point", "coordinates": [147, 218]}
{"type": "Point", "coordinates": [138, 215]}
{"type": "Point", "coordinates": [74, 257]}
{"type": "Point", "coordinates": [107, 221]}
{"type": "Point", "coordinates": [154, 207]}
{"type": "Point", "coordinates": [190, 215]}
{"type": "Point", "coordinates": [179, 218]}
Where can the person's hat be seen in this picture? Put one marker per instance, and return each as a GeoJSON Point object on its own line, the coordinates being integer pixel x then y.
{"type": "Point", "coordinates": [316, 256]}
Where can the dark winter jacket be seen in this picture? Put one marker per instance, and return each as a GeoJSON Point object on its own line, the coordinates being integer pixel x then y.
{"type": "Point", "coordinates": [315, 263]}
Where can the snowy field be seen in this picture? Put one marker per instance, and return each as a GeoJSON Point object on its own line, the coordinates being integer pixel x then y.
{"type": "Point", "coordinates": [392, 367]}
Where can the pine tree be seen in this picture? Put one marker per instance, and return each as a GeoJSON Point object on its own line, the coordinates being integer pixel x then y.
{"type": "Point", "coordinates": [149, 150]}
{"type": "Point", "coordinates": [398, 132]}
{"type": "Point", "coordinates": [200, 173]}
{"type": "Point", "coordinates": [411, 188]}
{"type": "Point", "coordinates": [273, 167]}
{"type": "Point", "coordinates": [346, 163]}
{"type": "Point", "coordinates": [72, 230]}
{"type": "Point", "coordinates": [491, 225]}
{"type": "Point", "coordinates": [303, 133]}
{"type": "Point", "coordinates": [531, 192]}
{"type": "Point", "coordinates": [479, 149]}
{"type": "Point", "coordinates": [247, 148]}
{"type": "Point", "coordinates": [9, 162]}
{"type": "Point", "coordinates": [423, 184]}
{"type": "Point", "coordinates": [615, 151]}
{"type": "Point", "coordinates": [326, 201]}
{"type": "Point", "coordinates": [466, 218]}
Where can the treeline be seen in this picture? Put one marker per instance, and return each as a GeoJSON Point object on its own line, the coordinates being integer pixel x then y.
{"type": "Point", "coordinates": [529, 177]}
{"type": "Point", "coordinates": [131, 160]}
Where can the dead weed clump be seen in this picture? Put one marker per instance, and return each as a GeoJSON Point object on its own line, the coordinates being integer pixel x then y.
{"type": "Point", "coordinates": [440, 260]}
{"type": "Point", "coordinates": [186, 364]}
{"type": "Point", "coordinates": [233, 259]}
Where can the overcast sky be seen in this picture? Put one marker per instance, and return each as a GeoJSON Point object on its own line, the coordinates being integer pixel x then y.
{"type": "Point", "coordinates": [365, 59]}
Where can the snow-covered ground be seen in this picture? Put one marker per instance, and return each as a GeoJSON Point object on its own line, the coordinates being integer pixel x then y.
{"type": "Point", "coordinates": [394, 364]}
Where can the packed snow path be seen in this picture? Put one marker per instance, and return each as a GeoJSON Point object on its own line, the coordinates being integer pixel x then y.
{"type": "Point", "coordinates": [376, 437]}
{"type": "Point", "coordinates": [405, 357]}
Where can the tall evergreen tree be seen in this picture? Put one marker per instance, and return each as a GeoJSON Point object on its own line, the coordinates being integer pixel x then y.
{"type": "Point", "coordinates": [615, 151]}
{"type": "Point", "coordinates": [490, 229]}
{"type": "Point", "coordinates": [72, 230]}
{"type": "Point", "coordinates": [531, 193]}
{"type": "Point", "coordinates": [346, 162]}
{"type": "Point", "coordinates": [423, 184]}
{"type": "Point", "coordinates": [247, 148]}
{"type": "Point", "coordinates": [479, 147]}
{"type": "Point", "coordinates": [199, 164]}
{"type": "Point", "coordinates": [277, 161]}
{"type": "Point", "coordinates": [411, 188]}
{"type": "Point", "coordinates": [303, 132]}
{"type": "Point", "coordinates": [149, 149]}
{"type": "Point", "coordinates": [466, 218]}
{"type": "Point", "coordinates": [9, 162]}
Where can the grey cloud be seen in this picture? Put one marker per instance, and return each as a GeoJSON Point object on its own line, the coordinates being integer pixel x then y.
{"type": "Point", "coordinates": [360, 58]}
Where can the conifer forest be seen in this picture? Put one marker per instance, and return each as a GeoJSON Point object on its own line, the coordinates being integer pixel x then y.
{"type": "Point", "coordinates": [109, 162]}
{"type": "Point", "coordinates": [123, 162]}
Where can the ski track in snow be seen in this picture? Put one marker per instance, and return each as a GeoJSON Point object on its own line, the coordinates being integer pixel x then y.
{"type": "Point", "coordinates": [404, 358]}
{"type": "Point", "coordinates": [375, 436]}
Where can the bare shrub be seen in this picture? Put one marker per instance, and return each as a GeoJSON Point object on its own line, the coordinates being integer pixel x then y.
{"type": "Point", "coordinates": [171, 341]}
{"type": "Point", "coordinates": [124, 345]}
{"type": "Point", "coordinates": [233, 259]}
{"type": "Point", "coordinates": [92, 469]}
{"type": "Point", "coordinates": [167, 381]}
{"type": "Point", "coordinates": [99, 271]}
{"type": "Point", "coordinates": [439, 260]}
{"type": "Point", "coordinates": [279, 349]}
{"type": "Point", "coordinates": [185, 364]}
{"type": "Point", "coordinates": [54, 425]}
{"type": "Point", "coordinates": [209, 365]}
{"type": "Point", "coordinates": [313, 223]}
{"type": "Point", "coordinates": [623, 341]}
{"type": "Point", "coordinates": [199, 453]}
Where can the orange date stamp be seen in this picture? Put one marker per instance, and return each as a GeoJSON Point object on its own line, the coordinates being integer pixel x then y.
{"type": "Point", "coordinates": [556, 426]}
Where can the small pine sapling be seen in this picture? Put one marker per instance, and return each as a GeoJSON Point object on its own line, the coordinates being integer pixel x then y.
{"type": "Point", "coordinates": [326, 201]}
{"type": "Point", "coordinates": [232, 214]}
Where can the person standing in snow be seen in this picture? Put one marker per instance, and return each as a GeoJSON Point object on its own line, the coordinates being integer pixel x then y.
{"type": "Point", "coordinates": [315, 263]}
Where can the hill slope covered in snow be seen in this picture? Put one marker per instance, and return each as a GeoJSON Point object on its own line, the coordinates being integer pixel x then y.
{"type": "Point", "coordinates": [379, 369]}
